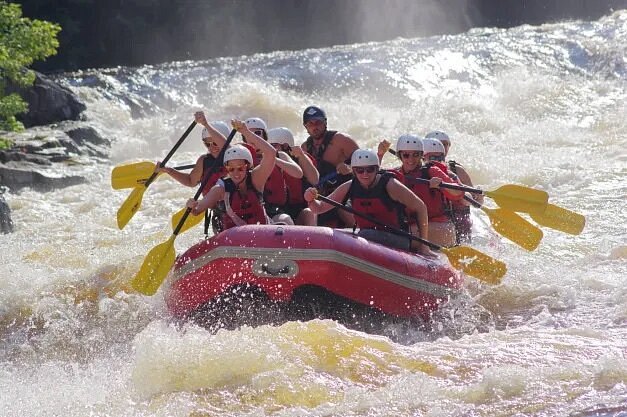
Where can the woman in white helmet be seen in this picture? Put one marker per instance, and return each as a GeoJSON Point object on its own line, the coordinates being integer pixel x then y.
{"type": "Point", "coordinates": [213, 136]}
{"type": "Point", "coordinates": [275, 193]}
{"type": "Point", "coordinates": [296, 207]}
{"type": "Point", "coordinates": [460, 209]}
{"type": "Point", "coordinates": [240, 193]}
{"type": "Point", "coordinates": [410, 151]}
{"type": "Point", "coordinates": [378, 195]}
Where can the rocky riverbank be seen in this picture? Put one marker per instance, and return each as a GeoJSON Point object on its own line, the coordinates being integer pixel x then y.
{"type": "Point", "coordinates": [42, 158]}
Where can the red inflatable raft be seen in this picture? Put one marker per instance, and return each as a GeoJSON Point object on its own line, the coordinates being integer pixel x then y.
{"type": "Point", "coordinates": [260, 274]}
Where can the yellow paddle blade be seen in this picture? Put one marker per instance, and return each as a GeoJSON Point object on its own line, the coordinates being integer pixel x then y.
{"type": "Point", "coordinates": [519, 198]}
{"type": "Point", "coordinates": [190, 222]}
{"type": "Point", "coordinates": [513, 227]}
{"type": "Point", "coordinates": [559, 218]}
{"type": "Point", "coordinates": [155, 268]}
{"type": "Point", "coordinates": [130, 206]}
{"type": "Point", "coordinates": [131, 175]}
{"type": "Point", "coordinates": [476, 264]}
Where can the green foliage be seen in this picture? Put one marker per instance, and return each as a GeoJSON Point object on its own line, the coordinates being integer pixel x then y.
{"type": "Point", "coordinates": [22, 41]}
{"type": "Point", "coordinates": [5, 143]}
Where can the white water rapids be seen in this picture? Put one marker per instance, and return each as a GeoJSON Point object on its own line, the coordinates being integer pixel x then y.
{"type": "Point", "coordinates": [539, 106]}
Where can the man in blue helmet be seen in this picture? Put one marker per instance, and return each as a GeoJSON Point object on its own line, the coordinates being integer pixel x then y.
{"type": "Point", "coordinates": [332, 151]}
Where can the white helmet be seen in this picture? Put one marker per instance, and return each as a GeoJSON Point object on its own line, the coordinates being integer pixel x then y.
{"type": "Point", "coordinates": [254, 123]}
{"type": "Point", "coordinates": [237, 152]}
{"type": "Point", "coordinates": [439, 135]}
{"type": "Point", "coordinates": [432, 146]}
{"type": "Point", "coordinates": [409, 143]}
{"type": "Point", "coordinates": [220, 127]}
{"type": "Point", "coordinates": [281, 135]}
{"type": "Point", "coordinates": [364, 158]}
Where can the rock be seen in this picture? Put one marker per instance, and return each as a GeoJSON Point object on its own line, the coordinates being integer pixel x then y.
{"type": "Point", "coordinates": [6, 224]}
{"type": "Point", "coordinates": [20, 175]}
{"type": "Point", "coordinates": [48, 102]}
{"type": "Point", "coordinates": [46, 157]}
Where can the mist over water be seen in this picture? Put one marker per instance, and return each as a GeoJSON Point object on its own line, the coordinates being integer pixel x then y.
{"type": "Point", "coordinates": [539, 106]}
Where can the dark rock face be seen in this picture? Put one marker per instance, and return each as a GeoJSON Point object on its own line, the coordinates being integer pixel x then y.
{"type": "Point", "coordinates": [48, 102]}
{"type": "Point", "coordinates": [42, 158]}
{"type": "Point", "coordinates": [6, 224]}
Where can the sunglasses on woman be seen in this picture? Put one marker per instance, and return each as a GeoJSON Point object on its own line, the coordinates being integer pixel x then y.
{"type": "Point", "coordinates": [439, 158]}
{"type": "Point", "coordinates": [209, 142]}
{"type": "Point", "coordinates": [369, 169]}
{"type": "Point", "coordinates": [239, 168]}
{"type": "Point", "coordinates": [406, 155]}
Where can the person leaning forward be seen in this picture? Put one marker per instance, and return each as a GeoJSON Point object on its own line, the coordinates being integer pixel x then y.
{"type": "Point", "coordinates": [380, 196]}
{"type": "Point", "coordinates": [332, 152]}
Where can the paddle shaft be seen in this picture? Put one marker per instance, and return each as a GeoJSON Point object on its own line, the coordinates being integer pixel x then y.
{"type": "Point", "coordinates": [169, 155]}
{"type": "Point", "coordinates": [205, 180]}
{"type": "Point", "coordinates": [375, 221]}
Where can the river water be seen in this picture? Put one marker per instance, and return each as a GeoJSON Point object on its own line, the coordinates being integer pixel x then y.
{"type": "Point", "coordinates": [539, 106]}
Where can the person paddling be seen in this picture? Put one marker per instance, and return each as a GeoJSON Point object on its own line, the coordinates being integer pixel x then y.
{"type": "Point", "coordinates": [275, 192]}
{"type": "Point", "coordinates": [409, 150]}
{"type": "Point", "coordinates": [283, 141]}
{"type": "Point", "coordinates": [213, 136]}
{"type": "Point", "coordinates": [460, 209]}
{"type": "Point", "coordinates": [381, 196]}
{"type": "Point", "coordinates": [240, 194]}
{"type": "Point", "coordinates": [332, 152]}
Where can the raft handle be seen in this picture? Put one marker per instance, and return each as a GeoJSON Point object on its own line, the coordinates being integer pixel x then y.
{"type": "Point", "coordinates": [275, 271]}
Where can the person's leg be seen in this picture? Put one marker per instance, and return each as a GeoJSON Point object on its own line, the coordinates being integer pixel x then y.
{"type": "Point", "coordinates": [306, 217]}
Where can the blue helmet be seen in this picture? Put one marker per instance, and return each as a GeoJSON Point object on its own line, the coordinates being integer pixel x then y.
{"type": "Point", "coordinates": [314, 113]}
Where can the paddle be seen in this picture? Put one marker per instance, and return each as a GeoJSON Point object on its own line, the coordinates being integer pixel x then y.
{"type": "Point", "coordinates": [511, 226]}
{"type": "Point", "coordinates": [559, 218]}
{"type": "Point", "coordinates": [464, 258]}
{"type": "Point", "coordinates": [136, 174]}
{"type": "Point", "coordinates": [509, 196]}
{"type": "Point", "coordinates": [160, 259]}
{"type": "Point", "coordinates": [134, 200]}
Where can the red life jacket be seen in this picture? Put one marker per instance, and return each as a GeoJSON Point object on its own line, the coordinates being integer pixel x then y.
{"type": "Point", "coordinates": [249, 206]}
{"type": "Point", "coordinates": [437, 208]}
{"type": "Point", "coordinates": [456, 204]}
{"type": "Point", "coordinates": [377, 203]}
{"type": "Point", "coordinates": [218, 172]}
{"type": "Point", "coordinates": [275, 189]}
{"type": "Point", "coordinates": [296, 187]}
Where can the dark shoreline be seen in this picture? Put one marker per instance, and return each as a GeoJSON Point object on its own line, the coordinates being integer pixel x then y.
{"type": "Point", "coordinates": [99, 34]}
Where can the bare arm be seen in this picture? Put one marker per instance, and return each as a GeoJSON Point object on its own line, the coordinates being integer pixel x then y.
{"type": "Point", "coordinates": [261, 172]}
{"type": "Point", "coordinates": [464, 178]}
{"type": "Point", "coordinates": [310, 172]}
{"type": "Point", "coordinates": [405, 196]}
{"type": "Point", "coordinates": [208, 202]}
{"type": "Point", "coordinates": [320, 207]}
{"type": "Point", "coordinates": [288, 166]}
{"type": "Point", "coordinates": [216, 136]}
{"type": "Point", "coordinates": [347, 146]}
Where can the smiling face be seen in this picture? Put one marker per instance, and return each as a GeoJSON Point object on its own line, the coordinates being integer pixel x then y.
{"type": "Point", "coordinates": [212, 146]}
{"type": "Point", "coordinates": [410, 160]}
{"type": "Point", "coordinates": [237, 169]}
{"type": "Point", "coordinates": [366, 174]}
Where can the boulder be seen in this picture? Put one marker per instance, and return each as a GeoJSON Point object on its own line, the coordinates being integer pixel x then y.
{"type": "Point", "coordinates": [48, 102]}
{"type": "Point", "coordinates": [6, 224]}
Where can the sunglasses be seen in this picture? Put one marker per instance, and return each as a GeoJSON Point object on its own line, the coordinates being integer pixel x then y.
{"type": "Point", "coordinates": [436, 158]}
{"type": "Point", "coordinates": [239, 168]}
{"type": "Point", "coordinates": [258, 132]}
{"type": "Point", "coordinates": [209, 142]}
{"type": "Point", "coordinates": [406, 155]}
{"type": "Point", "coordinates": [369, 169]}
